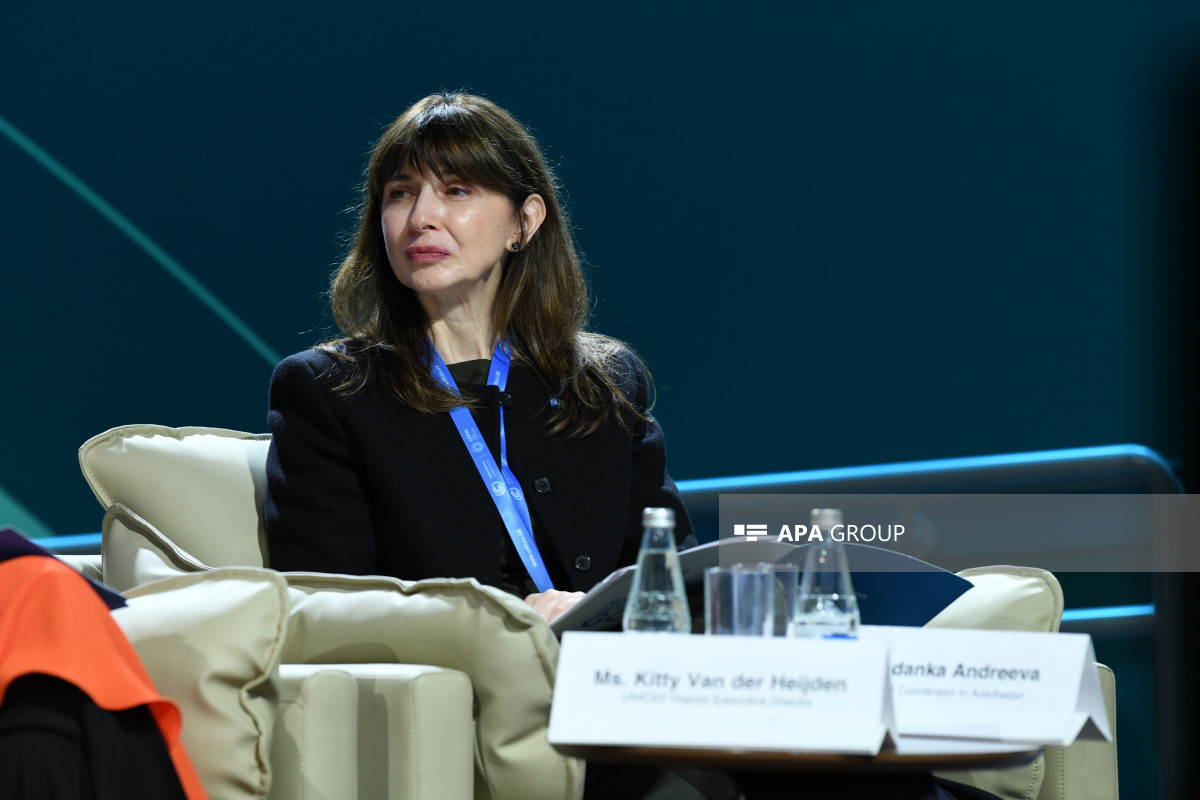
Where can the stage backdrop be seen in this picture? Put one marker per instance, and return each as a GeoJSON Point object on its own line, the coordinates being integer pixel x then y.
{"type": "Point", "coordinates": [838, 233]}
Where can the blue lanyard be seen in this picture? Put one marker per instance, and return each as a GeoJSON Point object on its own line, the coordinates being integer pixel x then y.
{"type": "Point", "coordinates": [501, 484]}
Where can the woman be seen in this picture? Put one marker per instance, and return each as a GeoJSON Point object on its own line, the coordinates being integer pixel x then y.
{"type": "Point", "coordinates": [463, 287]}
{"type": "Point", "coordinates": [466, 424]}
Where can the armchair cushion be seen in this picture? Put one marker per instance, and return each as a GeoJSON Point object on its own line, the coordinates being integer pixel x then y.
{"type": "Point", "coordinates": [1004, 598]}
{"type": "Point", "coordinates": [204, 485]}
{"type": "Point", "coordinates": [501, 644]}
{"type": "Point", "coordinates": [133, 552]}
{"type": "Point", "coordinates": [504, 647]}
{"type": "Point", "coordinates": [1011, 599]}
{"type": "Point", "coordinates": [211, 642]}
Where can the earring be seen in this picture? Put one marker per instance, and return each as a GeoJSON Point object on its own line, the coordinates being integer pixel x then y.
{"type": "Point", "coordinates": [515, 246]}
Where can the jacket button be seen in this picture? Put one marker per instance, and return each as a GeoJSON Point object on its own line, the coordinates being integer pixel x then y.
{"type": "Point", "coordinates": [583, 563]}
{"type": "Point", "coordinates": [542, 485]}
{"type": "Point", "coordinates": [506, 400]}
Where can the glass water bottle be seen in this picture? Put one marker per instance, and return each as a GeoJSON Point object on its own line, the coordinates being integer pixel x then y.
{"type": "Point", "coordinates": [827, 606]}
{"type": "Point", "coordinates": [657, 602]}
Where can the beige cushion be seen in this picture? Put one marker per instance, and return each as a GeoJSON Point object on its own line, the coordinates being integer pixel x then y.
{"type": "Point", "coordinates": [1009, 599]}
{"type": "Point", "coordinates": [211, 642]}
{"type": "Point", "coordinates": [501, 644]}
{"type": "Point", "coordinates": [1004, 598]}
{"type": "Point", "coordinates": [504, 647]}
{"type": "Point", "coordinates": [204, 485]}
{"type": "Point", "coordinates": [134, 552]}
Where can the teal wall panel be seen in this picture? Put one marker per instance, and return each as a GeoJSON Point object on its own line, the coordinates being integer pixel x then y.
{"type": "Point", "coordinates": [919, 230]}
{"type": "Point", "coordinates": [888, 231]}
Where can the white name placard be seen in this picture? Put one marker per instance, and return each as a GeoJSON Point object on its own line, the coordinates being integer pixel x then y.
{"type": "Point", "coordinates": [963, 690]}
{"type": "Point", "coordinates": [720, 691]}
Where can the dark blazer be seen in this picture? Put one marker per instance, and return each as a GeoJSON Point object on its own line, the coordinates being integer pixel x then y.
{"type": "Point", "coordinates": [362, 484]}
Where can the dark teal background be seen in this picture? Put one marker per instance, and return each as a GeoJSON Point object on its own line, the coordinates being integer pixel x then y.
{"type": "Point", "coordinates": [839, 233]}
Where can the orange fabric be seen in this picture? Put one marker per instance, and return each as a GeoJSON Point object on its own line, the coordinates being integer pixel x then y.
{"type": "Point", "coordinates": [52, 622]}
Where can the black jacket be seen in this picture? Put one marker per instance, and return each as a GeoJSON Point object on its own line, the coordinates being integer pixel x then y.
{"type": "Point", "coordinates": [362, 484]}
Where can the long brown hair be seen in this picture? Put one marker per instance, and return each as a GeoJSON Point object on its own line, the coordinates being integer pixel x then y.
{"type": "Point", "coordinates": [541, 307]}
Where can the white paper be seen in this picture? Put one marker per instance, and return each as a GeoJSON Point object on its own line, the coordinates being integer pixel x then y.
{"type": "Point", "coordinates": [958, 691]}
{"type": "Point", "coordinates": [719, 691]}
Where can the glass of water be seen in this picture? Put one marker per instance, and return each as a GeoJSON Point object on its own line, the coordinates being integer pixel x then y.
{"type": "Point", "coordinates": [825, 616]}
{"type": "Point", "coordinates": [826, 605]}
{"type": "Point", "coordinates": [750, 599]}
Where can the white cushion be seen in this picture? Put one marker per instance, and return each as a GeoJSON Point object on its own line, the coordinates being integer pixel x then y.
{"type": "Point", "coordinates": [204, 485]}
{"type": "Point", "coordinates": [211, 642]}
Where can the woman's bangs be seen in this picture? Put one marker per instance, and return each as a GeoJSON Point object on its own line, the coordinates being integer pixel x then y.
{"type": "Point", "coordinates": [444, 147]}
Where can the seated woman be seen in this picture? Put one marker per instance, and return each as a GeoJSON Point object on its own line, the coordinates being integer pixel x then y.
{"type": "Point", "coordinates": [466, 424]}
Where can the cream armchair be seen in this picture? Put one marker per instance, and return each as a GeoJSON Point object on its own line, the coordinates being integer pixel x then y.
{"type": "Point", "coordinates": [375, 687]}
{"type": "Point", "coordinates": [1025, 599]}
{"type": "Point", "coordinates": [359, 687]}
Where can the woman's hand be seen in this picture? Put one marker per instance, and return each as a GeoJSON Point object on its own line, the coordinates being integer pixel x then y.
{"type": "Point", "coordinates": [552, 604]}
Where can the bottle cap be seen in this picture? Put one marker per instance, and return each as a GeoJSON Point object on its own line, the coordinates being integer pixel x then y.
{"type": "Point", "coordinates": [658, 518]}
{"type": "Point", "coordinates": [826, 518]}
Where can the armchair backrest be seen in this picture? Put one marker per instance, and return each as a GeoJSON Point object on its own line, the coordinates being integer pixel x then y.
{"type": "Point", "coordinates": [203, 486]}
{"type": "Point", "coordinates": [183, 500]}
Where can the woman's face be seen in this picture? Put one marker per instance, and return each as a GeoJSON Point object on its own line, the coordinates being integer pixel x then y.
{"type": "Point", "coordinates": [446, 237]}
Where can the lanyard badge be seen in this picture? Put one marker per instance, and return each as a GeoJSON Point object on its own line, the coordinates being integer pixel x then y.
{"type": "Point", "coordinates": [501, 483]}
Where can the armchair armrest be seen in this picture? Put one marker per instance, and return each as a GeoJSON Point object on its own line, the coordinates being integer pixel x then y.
{"type": "Point", "coordinates": [1087, 769]}
{"type": "Point", "coordinates": [395, 731]}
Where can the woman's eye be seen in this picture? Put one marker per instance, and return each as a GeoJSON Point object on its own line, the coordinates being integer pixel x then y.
{"type": "Point", "coordinates": [457, 191]}
{"type": "Point", "coordinates": [397, 193]}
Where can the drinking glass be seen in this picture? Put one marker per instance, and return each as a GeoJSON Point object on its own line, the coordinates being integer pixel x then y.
{"type": "Point", "coordinates": [750, 599]}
